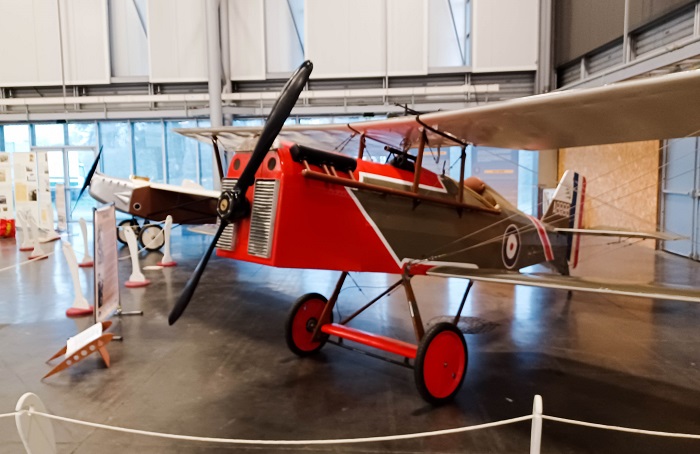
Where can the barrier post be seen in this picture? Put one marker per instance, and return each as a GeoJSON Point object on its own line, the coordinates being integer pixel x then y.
{"type": "Point", "coordinates": [137, 279]}
{"type": "Point", "coordinates": [26, 243]}
{"type": "Point", "coordinates": [80, 305]}
{"type": "Point", "coordinates": [167, 259]}
{"type": "Point", "coordinates": [87, 261]}
{"type": "Point", "coordinates": [35, 431]}
{"type": "Point", "coordinates": [37, 252]}
{"type": "Point", "coordinates": [536, 431]}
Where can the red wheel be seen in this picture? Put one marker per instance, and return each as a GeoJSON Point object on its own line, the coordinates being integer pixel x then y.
{"type": "Point", "coordinates": [441, 363]}
{"type": "Point", "coordinates": [301, 322]}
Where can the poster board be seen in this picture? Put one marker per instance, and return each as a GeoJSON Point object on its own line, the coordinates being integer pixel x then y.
{"type": "Point", "coordinates": [106, 262]}
{"type": "Point", "coordinates": [25, 182]}
{"type": "Point", "coordinates": [7, 210]}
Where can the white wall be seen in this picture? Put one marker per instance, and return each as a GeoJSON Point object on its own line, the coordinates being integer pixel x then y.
{"type": "Point", "coordinates": [177, 41]}
{"type": "Point", "coordinates": [247, 38]}
{"type": "Point", "coordinates": [128, 39]}
{"type": "Point", "coordinates": [30, 44]}
{"type": "Point", "coordinates": [407, 37]}
{"type": "Point", "coordinates": [346, 38]}
{"type": "Point", "coordinates": [504, 35]}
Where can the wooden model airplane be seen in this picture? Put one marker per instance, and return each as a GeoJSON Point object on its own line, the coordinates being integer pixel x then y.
{"type": "Point", "coordinates": [184, 203]}
{"type": "Point", "coordinates": [295, 203]}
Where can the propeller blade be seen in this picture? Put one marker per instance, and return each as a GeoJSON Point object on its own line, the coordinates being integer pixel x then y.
{"type": "Point", "coordinates": [191, 285]}
{"type": "Point", "coordinates": [233, 204]}
{"type": "Point", "coordinates": [88, 179]}
{"type": "Point", "coordinates": [279, 113]}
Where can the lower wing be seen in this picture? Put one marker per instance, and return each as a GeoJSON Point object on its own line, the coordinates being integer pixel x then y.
{"type": "Point", "coordinates": [657, 291]}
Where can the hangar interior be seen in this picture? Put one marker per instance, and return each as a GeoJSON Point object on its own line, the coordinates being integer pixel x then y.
{"type": "Point", "coordinates": [115, 77]}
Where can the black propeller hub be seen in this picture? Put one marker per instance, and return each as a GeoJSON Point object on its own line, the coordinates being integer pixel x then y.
{"type": "Point", "coordinates": [232, 205]}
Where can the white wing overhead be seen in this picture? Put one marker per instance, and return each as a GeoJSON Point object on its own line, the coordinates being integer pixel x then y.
{"type": "Point", "coordinates": [651, 108]}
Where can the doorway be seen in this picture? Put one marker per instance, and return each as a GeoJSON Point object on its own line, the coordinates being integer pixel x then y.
{"type": "Point", "coordinates": [680, 196]}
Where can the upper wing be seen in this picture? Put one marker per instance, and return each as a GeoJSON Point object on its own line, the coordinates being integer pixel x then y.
{"type": "Point", "coordinates": [571, 283]}
{"type": "Point", "coordinates": [651, 108]}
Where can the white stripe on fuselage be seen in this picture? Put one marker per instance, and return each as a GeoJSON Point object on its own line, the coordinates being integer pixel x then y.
{"type": "Point", "coordinates": [401, 182]}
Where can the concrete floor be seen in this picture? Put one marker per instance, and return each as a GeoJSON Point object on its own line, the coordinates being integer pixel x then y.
{"type": "Point", "coordinates": [224, 370]}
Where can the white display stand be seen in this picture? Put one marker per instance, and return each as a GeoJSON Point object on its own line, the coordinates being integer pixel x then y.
{"type": "Point", "coordinates": [87, 261]}
{"type": "Point", "coordinates": [137, 279]}
{"type": "Point", "coordinates": [167, 259]}
{"type": "Point", "coordinates": [80, 305]}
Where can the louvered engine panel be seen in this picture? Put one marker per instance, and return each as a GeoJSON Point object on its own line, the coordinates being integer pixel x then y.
{"type": "Point", "coordinates": [262, 218]}
{"type": "Point", "coordinates": [227, 239]}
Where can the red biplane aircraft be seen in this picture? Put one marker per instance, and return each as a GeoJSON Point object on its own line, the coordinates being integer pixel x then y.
{"type": "Point", "coordinates": [402, 219]}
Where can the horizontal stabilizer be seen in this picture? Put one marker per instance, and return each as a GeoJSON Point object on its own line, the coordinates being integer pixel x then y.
{"type": "Point", "coordinates": [657, 291]}
{"type": "Point", "coordinates": [623, 233]}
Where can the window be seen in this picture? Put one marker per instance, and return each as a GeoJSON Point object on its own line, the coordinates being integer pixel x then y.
{"type": "Point", "coordinates": [82, 134]}
{"type": "Point", "coordinates": [182, 153]}
{"type": "Point", "coordinates": [49, 135]}
{"type": "Point", "coordinates": [115, 138]}
{"type": "Point", "coordinates": [148, 150]}
{"type": "Point", "coordinates": [449, 30]}
{"type": "Point", "coordinates": [16, 138]}
{"type": "Point", "coordinates": [206, 160]}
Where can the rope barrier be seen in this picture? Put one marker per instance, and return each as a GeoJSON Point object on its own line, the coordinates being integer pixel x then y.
{"type": "Point", "coordinates": [7, 268]}
{"type": "Point", "coordinates": [435, 433]}
{"type": "Point", "coordinates": [286, 442]}
{"type": "Point", "coordinates": [621, 429]}
{"type": "Point", "coordinates": [349, 440]}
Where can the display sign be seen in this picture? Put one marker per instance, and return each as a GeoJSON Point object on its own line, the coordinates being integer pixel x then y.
{"type": "Point", "coordinates": [25, 179]}
{"type": "Point", "coordinates": [106, 262]}
{"type": "Point", "coordinates": [6, 205]}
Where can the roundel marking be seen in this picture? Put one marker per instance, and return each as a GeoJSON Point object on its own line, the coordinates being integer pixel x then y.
{"type": "Point", "coordinates": [511, 246]}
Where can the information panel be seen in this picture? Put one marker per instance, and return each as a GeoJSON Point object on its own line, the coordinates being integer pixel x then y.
{"type": "Point", "coordinates": [106, 263]}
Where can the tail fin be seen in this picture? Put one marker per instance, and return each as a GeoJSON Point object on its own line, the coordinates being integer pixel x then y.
{"type": "Point", "coordinates": [566, 210]}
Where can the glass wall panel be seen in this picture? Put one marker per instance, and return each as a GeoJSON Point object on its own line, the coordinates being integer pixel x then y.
{"type": "Point", "coordinates": [207, 170]}
{"type": "Point", "coordinates": [183, 154]}
{"type": "Point", "coordinates": [527, 181]}
{"type": "Point", "coordinates": [115, 138]}
{"type": "Point", "coordinates": [148, 150]}
{"type": "Point", "coordinates": [82, 134]}
{"type": "Point", "coordinates": [49, 135]}
{"type": "Point", "coordinates": [16, 138]}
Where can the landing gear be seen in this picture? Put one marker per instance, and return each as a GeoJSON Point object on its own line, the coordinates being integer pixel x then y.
{"type": "Point", "coordinates": [151, 237]}
{"type": "Point", "coordinates": [301, 324]}
{"type": "Point", "coordinates": [441, 363]}
{"type": "Point", "coordinates": [133, 223]}
{"type": "Point", "coordinates": [440, 355]}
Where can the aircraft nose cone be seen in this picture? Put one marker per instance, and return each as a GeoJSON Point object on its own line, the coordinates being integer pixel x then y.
{"type": "Point", "coordinates": [223, 207]}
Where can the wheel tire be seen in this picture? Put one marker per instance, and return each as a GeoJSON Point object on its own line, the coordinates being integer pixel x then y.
{"type": "Point", "coordinates": [301, 322]}
{"type": "Point", "coordinates": [121, 235]}
{"type": "Point", "coordinates": [151, 237]}
{"type": "Point", "coordinates": [441, 363]}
